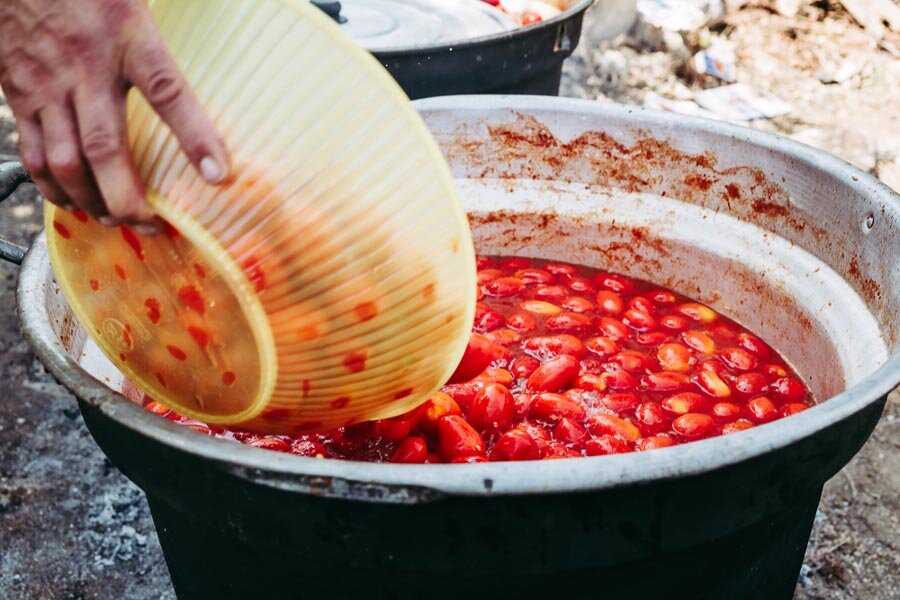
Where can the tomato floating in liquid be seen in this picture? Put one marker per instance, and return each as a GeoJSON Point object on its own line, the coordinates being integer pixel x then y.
{"type": "Point", "coordinates": [569, 361]}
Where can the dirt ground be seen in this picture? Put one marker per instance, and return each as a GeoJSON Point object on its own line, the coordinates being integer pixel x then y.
{"type": "Point", "coordinates": [71, 526]}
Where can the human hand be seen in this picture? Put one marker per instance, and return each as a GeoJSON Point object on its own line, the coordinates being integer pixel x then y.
{"type": "Point", "coordinates": [65, 69]}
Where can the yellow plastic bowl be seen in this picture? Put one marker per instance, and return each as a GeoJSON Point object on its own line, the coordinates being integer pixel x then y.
{"type": "Point", "coordinates": [330, 281]}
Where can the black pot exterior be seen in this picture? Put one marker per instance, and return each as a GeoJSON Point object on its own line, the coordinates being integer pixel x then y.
{"type": "Point", "coordinates": [736, 532]}
{"type": "Point", "coordinates": [526, 61]}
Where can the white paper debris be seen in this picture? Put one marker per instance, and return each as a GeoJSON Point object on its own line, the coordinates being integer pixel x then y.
{"type": "Point", "coordinates": [671, 15]}
{"type": "Point", "coordinates": [683, 107]}
{"type": "Point", "coordinates": [717, 59]}
{"type": "Point", "coordinates": [740, 102]}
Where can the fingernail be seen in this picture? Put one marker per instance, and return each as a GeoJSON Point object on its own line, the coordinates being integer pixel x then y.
{"type": "Point", "coordinates": [211, 170]}
{"type": "Point", "coordinates": [145, 229]}
{"type": "Point", "coordinates": [106, 221]}
{"type": "Point", "coordinates": [70, 207]}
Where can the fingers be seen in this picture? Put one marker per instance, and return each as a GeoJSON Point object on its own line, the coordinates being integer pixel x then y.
{"type": "Point", "coordinates": [65, 161]}
{"type": "Point", "coordinates": [150, 67]}
{"type": "Point", "coordinates": [31, 150]}
{"type": "Point", "coordinates": [101, 123]}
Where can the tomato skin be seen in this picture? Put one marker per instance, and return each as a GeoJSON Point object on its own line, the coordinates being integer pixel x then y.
{"type": "Point", "coordinates": [397, 428]}
{"type": "Point", "coordinates": [493, 408]}
{"type": "Point", "coordinates": [412, 450]}
{"type": "Point", "coordinates": [530, 18]}
{"type": "Point", "coordinates": [516, 444]}
{"type": "Point", "coordinates": [458, 439]}
{"type": "Point", "coordinates": [554, 375]}
{"type": "Point", "coordinates": [478, 355]}
{"type": "Point", "coordinates": [435, 408]}
{"type": "Point", "coordinates": [553, 407]}
{"type": "Point", "coordinates": [606, 444]}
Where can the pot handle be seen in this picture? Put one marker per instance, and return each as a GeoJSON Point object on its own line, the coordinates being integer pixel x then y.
{"type": "Point", "coordinates": [564, 38]}
{"type": "Point", "coordinates": [330, 8]}
{"type": "Point", "coordinates": [12, 175]}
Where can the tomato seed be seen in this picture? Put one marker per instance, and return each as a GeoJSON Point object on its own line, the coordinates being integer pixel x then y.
{"type": "Point", "coordinates": [355, 362]}
{"type": "Point", "coordinates": [200, 336]}
{"type": "Point", "coordinates": [365, 311]}
{"type": "Point", "coordinates": [62, 230]}
{"type": "Point", "coordinates": [177, 352]}
{"type": "Point", "coordinates": [133, 242]}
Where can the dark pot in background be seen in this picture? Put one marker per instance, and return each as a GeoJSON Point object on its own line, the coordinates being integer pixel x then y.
{"type": "Point", "coordinates": [525, 60]}
{"type": "Point", "coordinates": [727, 517]}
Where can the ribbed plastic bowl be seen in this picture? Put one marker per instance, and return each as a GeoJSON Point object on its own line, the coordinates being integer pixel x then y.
{"type": "Point", "coordinates": [329, 281]}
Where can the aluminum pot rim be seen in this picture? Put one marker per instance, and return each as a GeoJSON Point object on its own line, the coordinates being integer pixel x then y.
{"type": "Point", "coordinates": [294, 473]}
{"type": "Point", "coordinates": [573, 11]}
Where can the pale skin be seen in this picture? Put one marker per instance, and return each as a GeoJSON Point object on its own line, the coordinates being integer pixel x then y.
{"type": "Point", "coordinates": [65, 69]}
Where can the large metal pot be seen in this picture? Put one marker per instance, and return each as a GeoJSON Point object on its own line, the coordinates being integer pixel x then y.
{"type": "Point", "coordinates": [525, 60]}
{"type": "Point", "coordinates": [792, 242]}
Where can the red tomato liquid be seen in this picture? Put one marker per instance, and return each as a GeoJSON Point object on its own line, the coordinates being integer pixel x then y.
{"type": "Point", "coordinates": [568, 361]}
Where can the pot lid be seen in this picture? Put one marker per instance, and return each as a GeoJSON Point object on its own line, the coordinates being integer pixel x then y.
{"type": "Point", "coordinates": [382, 24]}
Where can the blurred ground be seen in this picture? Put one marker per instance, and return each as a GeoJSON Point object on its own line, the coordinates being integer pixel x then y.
{"type": "Point", "coordinates": [71, 526]}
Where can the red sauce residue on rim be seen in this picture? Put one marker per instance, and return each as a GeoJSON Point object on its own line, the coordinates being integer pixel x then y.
{"type": "Point", "coordinates": [698, 181]}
